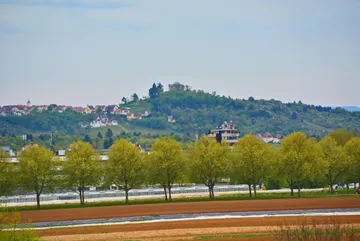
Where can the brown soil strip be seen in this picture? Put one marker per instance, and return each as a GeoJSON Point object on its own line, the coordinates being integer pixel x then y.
{"type": "Point", "coordinates": [198, 227]}
{"type": "Point", "coordinates": [185, 208]}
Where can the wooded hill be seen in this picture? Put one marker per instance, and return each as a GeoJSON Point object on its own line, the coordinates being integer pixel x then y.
{"type": "Point", "coordinates": [195, 112]}
{"type": "Point", "coordinates": [198, 112]}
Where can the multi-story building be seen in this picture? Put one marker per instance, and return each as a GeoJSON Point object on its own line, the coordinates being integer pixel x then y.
{"type": "Point", "coordinates": [226, 132]}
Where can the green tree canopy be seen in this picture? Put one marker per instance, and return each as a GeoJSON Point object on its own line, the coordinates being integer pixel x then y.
{"type": "Point", "coordinates": [109, 133]}
{"type": "Point", "coordinates": [108, 143]}
{"type": "Point", "coordinates": [135, 97]}
{"type": "Point", "coordinates": [82, 168]}
{"type": "Point", "coordinates": [208, 162]}
{"type": "Point", "coordinates": [334, 159]}
{"type": "Point", "coordinates": [124, 100]}
{"type": "Point", "coordinates": [352, 148]}
{"type": "Point", "coordinates": [87, 139]}
{"type": "Point", "coordinates": [298, 158]}
{"type": "Point", "coordinates": [125, 167]}
{"type": "Point", "coordinates": [37, 170]}
{"type": "Point", "coordinates": [341, 136]}
{"type": "Point", "coordinates": [8, 177]}
{"type": "Point", "coordinates": [166, 163]}
{"type": "Point", "coordinates": [252, 160]}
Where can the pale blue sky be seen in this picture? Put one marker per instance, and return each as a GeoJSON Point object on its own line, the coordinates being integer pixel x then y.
{"type": "Point", "coordinates": [76, 52]}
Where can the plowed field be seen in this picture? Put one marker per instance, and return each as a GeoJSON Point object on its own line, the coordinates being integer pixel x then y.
{"type": "Point", "coordinates": [219, 229]}
{"type": "Point", "coordinates": [191, 207]}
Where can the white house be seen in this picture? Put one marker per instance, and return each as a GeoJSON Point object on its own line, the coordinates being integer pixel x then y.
{"type": "Point", "coordinates": [114, 122]}
{"type": "Point", "coordinates": [171, 119]}
{"type": "Point", "coordinates": [99, 122]}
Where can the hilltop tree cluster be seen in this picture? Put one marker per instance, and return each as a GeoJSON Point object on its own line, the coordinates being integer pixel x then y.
{"type": "Point", "coordinates": [300, 160]}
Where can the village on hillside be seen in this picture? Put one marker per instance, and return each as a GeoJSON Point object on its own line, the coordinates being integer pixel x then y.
{"type": "Point", "coordinates": [102, 112]}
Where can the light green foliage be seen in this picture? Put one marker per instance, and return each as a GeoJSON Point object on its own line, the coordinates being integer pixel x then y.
{"type": "Point", "coordinates": [341, 136]}
{"type": "Point", "coordinates": [10, 229]}
{"type": "Point", "coordinates": [252, 160]}
{"type": "Point", "coordinates": [334, 159]}
{"type": "Point", "coordinates": [125, 167]}
{"type": "Point", "coordinates": [208, 162]}
{"type": "Point", "coordinates": [82, 168]}
{"type": "Point", "coordinates": [37, 170]}
{"type": "Point", "coordinates": [166, 163]}
{"type": "Point", "coordinates": [353, 151]}
{"type": "Point", "coordinates": [7, 174]}
{"type": "Point", "coordinates": [298, 159]}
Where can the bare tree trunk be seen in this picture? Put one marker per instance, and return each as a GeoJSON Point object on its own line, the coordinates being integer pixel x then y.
{"type": "Point", "coordinates": [331, 184]}
{"type": "Point", "coordinates": [38, 200]}
{"type": "Point", "coordinates": [165, 192]}
{"type": "Point", "coordinates": [331, 187]}
{"type": "Point", "coordinates": [84, 196]}
{"type": "Point", "coordinates": [126, 195]}
{"type": "Point", "coordinates": [291, 184]}
{"type": "Point", "coordinates": [169, 193]}
{"type": "Point", "coordinates": [212, 192]}
{"type": "Point", "coordinates": [298, 190]}
{"type": "Point", "coordinates": [250, 194]}
{"type": "Point", "coordinates": [80, 194]}
{"type": "Point", "coordinates": [254, 185]}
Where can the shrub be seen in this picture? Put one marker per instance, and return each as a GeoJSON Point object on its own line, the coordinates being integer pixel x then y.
{"type": "Point", "coordinates": [332, 230]}
{"type": "Point", "coordinates": [12, 230]}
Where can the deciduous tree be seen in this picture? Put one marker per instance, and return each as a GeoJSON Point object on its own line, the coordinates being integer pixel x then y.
{"type": "Point", "coordinates": [252, 160]}
{"type": "Point", "coordinates": [166, 163]}
{"type": "Point", "coordinates": [82, 168]}
{"type": "Point", "coordinates": [298, 156]}
{"type": "Point", "coordinates": [341, 136]}
{"type": "Point", "coordinates": [352, 148]}
{"type": "Point", "coordinates": [125, 167]}
{"type": "Point", "coordinates": [8, 178]}
{"type": "Point", "coordinates": [208, 162]}
{"type": "Point", "coordinates": [37, 170]}
{"type": "Point", "coordinates": [109, 133]}
{"type": "Point", "coordinates": [87, 139]}
{"type": "Point", "coordinates": [135, 97]}
{"type": "Point", "coordinates": [108, 143]}
{"type": "Point", "coordinates": [334, 158]}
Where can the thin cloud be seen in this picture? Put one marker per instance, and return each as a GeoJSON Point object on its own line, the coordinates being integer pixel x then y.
{"type": "Point", "coordinates": [6, 28]}
{"type": "Point", "coordinates": [133, 27]}
{"type": "Point", "coordinates": [90, 4]}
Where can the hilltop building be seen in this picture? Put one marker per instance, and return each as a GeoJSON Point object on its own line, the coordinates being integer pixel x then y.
{"type": "Point", "coordinates": [226, 132]}
{"type": "Point", "coordinates": [176, 87]}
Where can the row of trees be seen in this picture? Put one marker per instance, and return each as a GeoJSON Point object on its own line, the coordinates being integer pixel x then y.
{"type": "Point", "coordinates": [251, 161]}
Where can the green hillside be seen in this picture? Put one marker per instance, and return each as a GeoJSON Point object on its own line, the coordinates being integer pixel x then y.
{"type": "Point", "coordinates": [198, 112]}
{"type": "Point", "coordinates": [194, 112]}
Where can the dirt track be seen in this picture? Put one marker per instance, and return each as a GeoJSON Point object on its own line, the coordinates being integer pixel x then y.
{"type": "Point", "coordinates": [184, 208]}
